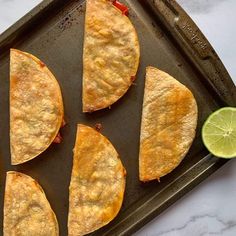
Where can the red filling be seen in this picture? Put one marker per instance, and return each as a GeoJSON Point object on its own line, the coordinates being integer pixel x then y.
{"type": "Point", "coordinates": [41, 64]}
{"type": "Point", "coordinates": [58, 138]}
{"type": "Point", "coordinates": [121, 7]}
{"type": "Point", "coordinates": [133, 78]}
{"type": "Point", "coordinates": [98, 127]}
{"type": "Point", "coordinates": [63, 123]}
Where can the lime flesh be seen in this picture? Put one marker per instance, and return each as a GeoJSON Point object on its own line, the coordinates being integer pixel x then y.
{"type": "Point", "coordinates": [219, 132]}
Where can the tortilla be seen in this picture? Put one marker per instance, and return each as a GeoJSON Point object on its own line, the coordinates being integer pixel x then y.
{"type": "Point", "coordinates": [36, 107]}
{"type": "Point", "coordinates": [27, 211]}
{"type": "Point", "coordinates": [97, 183]}
{"type": "Point", "coordinates": [110, 57]}
{"type": "Point", "coordinates": [168, 125]}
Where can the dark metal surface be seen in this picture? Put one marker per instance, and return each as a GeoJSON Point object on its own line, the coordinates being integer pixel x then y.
{"type": "Point", "coordinates": [169, 40]}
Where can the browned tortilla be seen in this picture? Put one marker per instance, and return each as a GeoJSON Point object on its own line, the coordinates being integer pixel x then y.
{"type": "Point", "coordinates": [168, 126]}
{"type": "Point", "coordinates": [97, 183]}
{"type": "Point", "coordinates": [27, 211]}
{"type": "Point", "coordinates": [110, 57]}
{"type": "Point", "coordinates": [36, 107]}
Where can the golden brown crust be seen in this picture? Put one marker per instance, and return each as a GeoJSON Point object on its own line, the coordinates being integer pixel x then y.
{"type": "Point", "coordinates": [97, 183]}
{"type": "Point", "coordinates": [111, 55]}
{"type": "Point", "coordinates": [36, 107]}
{"type": "Point", "coordinates": [168, 126]}
{"type": "Point", "coordinates": [26, 208]}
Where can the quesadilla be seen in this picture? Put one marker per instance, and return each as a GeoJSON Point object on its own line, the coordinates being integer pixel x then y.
{"type": "Point", "coordinates": [169, 121]}
{"type": "Point", "coordinates": [111, 54]}
{"type": "Point", "coordinates": [97, 183]}
{"type": "Point", "coordinates": [36, 107]}
{"type": "Point", "coordinates": [27, 211]}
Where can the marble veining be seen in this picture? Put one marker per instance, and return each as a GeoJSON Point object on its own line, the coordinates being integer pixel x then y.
{"type": "Point", "coordinates": [200, 6]}
{"type": "Point", "coordinates": [216, 19]}
{"type": "Point", "coordinates": [222, 226]}
{"type": "Point", "coordinates": [210, 209]}
{"type": "Point", "coordinates": [12, 10]}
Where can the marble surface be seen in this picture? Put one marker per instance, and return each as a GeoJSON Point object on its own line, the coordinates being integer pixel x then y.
{"type": "Point", "coordinates": [210, 209]}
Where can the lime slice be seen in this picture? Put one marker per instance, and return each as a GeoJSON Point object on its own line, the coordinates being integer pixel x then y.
{"type": "Point", "coordinates": [219, 132]}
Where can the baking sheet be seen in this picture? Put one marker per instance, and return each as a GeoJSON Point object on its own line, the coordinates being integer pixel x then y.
{"type": "Point", "coordinates": [169, 40]}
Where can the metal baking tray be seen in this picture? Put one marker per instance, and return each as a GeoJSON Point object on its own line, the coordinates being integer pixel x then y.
{"type": "Point", "coordinates": [53, 31]}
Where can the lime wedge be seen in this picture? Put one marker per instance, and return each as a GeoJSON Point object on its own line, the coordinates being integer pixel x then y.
{"type": "Point", "coordinates": [219, 132]}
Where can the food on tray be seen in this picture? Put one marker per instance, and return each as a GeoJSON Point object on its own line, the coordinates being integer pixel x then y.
{"type": "Point", "coordinates": [26, 208]}
{"type": "Point", "coordinates": [219, 132]}
{"type": "Point", "coordinates": [111, 54]}
{"type": "Point", "coordinates": [169, 121]}
{"type": "Point", "coordinates": [36, 107]}
{"type": "Point", "coordinates": [97, 183]}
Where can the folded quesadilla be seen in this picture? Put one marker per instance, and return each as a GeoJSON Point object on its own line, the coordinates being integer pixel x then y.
{"type": "Point", "coordinates": [97, 183]}
{"type": "Point", "coordinates": [168, 126]}
{"type": "Point", "coordinates": [36, 107]}
{"type": "Point", "coordinates": [111, 54]}
{"type": "Point", "coordinates": [27, 211]}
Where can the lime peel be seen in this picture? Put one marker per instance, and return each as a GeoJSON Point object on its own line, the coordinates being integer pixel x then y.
{"type": "Point", "coordinates": [219, 132]}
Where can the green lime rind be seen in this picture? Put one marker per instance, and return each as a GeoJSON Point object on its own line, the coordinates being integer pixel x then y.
{"type": "Point", "coordinates": [219, 133]}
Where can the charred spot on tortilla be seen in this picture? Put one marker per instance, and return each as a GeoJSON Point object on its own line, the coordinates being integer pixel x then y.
{"type": "Point", "coordinates": [110, 54]}
{"type": "Point", "coordinates": [169, 121]}
{"type": "Point", "coordinates": [26, 208]}
{"type": "Point", "coordinates": [97, 182]}
{"type": "Point", "coordinates": [36, 107]}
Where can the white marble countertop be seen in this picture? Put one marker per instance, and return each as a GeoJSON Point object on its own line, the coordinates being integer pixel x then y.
{"type": "Point", "coordinates": [210, 209]}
